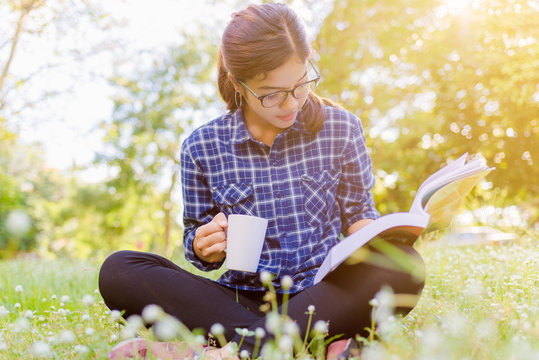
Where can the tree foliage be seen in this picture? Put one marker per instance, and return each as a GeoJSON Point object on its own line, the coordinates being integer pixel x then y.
{"type": "Point", "coordinates": [152, 109]}
{"type": "Point", "coordinates": [434, 79]}
{"type": "Point", "coordinates": [52, 36]}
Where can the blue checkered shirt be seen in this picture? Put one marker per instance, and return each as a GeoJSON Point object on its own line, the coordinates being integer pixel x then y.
{"type": "Point", "coordinates": [310, 187]}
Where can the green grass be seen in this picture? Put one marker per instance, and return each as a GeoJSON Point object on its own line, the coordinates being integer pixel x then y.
{"type": "Point", "coordinates": [478, 303]}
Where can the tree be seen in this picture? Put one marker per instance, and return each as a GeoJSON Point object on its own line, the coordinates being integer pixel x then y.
{"type": "Point", "coordinates": [51, 34]}
{"type": "Point", "coordinates": [432, 81]}
{"type": "Point", "coordinates": [152, 109]}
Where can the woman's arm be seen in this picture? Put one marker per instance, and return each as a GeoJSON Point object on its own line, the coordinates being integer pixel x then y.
{"type": "Point", "coordinates": [204, 236]}
{"type": "Point", "coordinates": [354, 192]}
{"type": "Point", "coordinates": [358, 225]}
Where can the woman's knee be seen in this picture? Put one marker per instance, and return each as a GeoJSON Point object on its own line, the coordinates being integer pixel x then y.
{"type": "Point", "coordinates": [112, 269]}
{"type": "Point", "coordinates": [114, 262]}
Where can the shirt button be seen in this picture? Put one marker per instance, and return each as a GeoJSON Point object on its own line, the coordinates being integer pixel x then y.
{"type": "Point", "coordinates": [278, 194]}
{"type": "Point", "coordinates": [275, 162]}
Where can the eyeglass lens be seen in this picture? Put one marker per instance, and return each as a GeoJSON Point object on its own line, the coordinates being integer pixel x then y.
{"type": "Point", "coordinates": [299, 92]}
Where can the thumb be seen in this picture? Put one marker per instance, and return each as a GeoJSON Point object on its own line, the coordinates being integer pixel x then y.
{"type": "Point", "coordinates": [221, 220]}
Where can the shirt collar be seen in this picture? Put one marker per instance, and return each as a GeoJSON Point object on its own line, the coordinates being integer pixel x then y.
{"type": "Point", "coordinates": [241, 134]}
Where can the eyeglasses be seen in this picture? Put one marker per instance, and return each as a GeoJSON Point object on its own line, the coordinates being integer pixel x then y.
{"type": "Point", "coordinates": [299, 92]}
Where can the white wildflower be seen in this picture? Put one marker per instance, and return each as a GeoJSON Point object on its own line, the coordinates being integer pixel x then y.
{"type": "Point", "coordinates": [67, 336]}
{"type": "Point", "coordinates": [64, 298]}
{"type": "Point", "coordinates": [87, 300]}
{"type": "Point", "coordinates": [217, 329]}
{"type": "Point", "coordinates": [18, 288]}
{"type": "Point", "coordinates": [310, 309]}
{"type": "Point", "coordinates": [259, 333]}
{"type": "Point", "coordinates": [3, 346]}
{"type": "Point", "coordinates": [152, 313]}
{"type": "Point", "coordinates": [385, 305]}
{"type": "Point", "coordinates": [432, 339]}
{"type": "Point", "coordinates": [285, 344]}
{"type": "Point", "coordinates": [41, 349]}
{"type": "Point", "coordinates": [273, 322]}
{"type": "Point", "coordinates": [28, 314]}
{"type": "Point", "coordinates": [290, 328]}
{"type": "Point", "coordinates": [53, 297]}
{"type": "Point", "coordinates": [265, 277]}
{"type": "Point", "coordinates": [287, 282]}
{"type": "Point", "coordinates": [128, 332]}
{"type": "Point", "coordinates": [115, 315]}
{"type": "Point", "coordinates": [166, 329]}
{"type": "Point", "coordinates": [85, 317]}
{"type": "Point", "coordinates": [3, 311]}
{"type": "Point", "coordinates": [135, 321]}
{"type": "Point", "coordinates": [89, 331]}
{"type": "Point", "coordinates": [114, 338]}
{"type": "Point", "coordinates": [81, 349]}
{"type": "Point", "coordinates": [200, 340]}
{"type": "Point", "coordinates": [321, 327]}
{"type": "Point", "coordinates": [17, 305]}
{"type": "Point", "coordinates": [455, 323]}
{"type": "Point", "coordinates": [244, 354]}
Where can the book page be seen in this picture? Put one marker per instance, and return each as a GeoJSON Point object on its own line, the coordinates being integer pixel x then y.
{"type": "Point", "coordinates": [445, 201]}
{"type": "Point", "coordinates": [391, 225]}
{"type": "Point", "coordinates": [433, 184]}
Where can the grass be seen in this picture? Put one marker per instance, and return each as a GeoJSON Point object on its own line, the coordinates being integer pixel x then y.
{"type": "Point", "coordinates": [479, 303]}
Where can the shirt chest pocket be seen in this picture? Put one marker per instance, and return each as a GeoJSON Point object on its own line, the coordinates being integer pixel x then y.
{"type": "Point", "coordinates": [319, 193]}
{"type": "Point", "coordinates": [234, 198]}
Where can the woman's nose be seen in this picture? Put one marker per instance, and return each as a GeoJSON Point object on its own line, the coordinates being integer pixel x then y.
{"type": "Point", "coordinates": [289, 103]}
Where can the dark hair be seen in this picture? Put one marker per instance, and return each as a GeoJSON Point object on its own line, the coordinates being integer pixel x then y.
{"type": "Point", "coordinates": [259, 39]}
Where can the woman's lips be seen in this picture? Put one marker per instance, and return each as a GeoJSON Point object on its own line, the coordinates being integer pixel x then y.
{"type": "Point", "coordinates": [288, 117]}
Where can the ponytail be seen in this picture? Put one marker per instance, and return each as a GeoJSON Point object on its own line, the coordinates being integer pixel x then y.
{"type": "Point", "coordinates": [313, 113]}
{"type": "Point", "coordinates": [226, 88]}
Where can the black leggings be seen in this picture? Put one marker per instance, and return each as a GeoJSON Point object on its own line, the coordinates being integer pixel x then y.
{"type": "Point", "coordinates": [130, 280]}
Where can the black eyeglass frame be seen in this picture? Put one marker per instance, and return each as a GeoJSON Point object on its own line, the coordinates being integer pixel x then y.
{"type": "Point", "coordinates": [291, 91]}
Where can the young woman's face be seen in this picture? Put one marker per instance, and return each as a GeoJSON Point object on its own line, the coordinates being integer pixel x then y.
{"type": "Point", "coordinates": [279, 117]}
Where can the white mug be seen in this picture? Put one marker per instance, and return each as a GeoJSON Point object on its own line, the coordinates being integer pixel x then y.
{"type": "Point", "coordinates": [245, 238]}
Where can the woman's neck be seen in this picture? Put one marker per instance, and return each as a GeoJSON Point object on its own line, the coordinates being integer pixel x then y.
{"type": "Point", "coordinates": [259, 128]}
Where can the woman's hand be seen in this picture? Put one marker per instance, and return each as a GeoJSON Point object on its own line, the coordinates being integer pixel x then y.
{"type": "Point", "coordinates": [209, 243]}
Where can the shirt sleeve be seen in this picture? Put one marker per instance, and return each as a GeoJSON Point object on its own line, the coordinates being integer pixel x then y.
{"type": "Point", "coordinates": [199, 208]}
{"type": "Point", "coordinates": [354, 192]}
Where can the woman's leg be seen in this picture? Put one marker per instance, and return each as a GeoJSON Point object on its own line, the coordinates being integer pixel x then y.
{"type": "Point", "coordinates": [131, 280]}
{"type": "Point", "coordinates": [343, 297]}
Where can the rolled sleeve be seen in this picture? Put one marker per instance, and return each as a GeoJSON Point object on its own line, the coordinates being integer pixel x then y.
{"type": "Point", "coordinates": [199, 208]}
{"type": "Point", "coordinates": [354, 194]}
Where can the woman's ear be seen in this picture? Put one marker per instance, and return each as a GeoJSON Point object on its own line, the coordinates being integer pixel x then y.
{"type": "Point", "coordinates": [231, 78]}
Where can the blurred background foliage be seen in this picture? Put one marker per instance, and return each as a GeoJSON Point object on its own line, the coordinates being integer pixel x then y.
{"type": "Point", "coordinates": [430, 79]}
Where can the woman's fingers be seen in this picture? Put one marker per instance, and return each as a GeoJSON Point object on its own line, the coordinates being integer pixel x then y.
{"type": "Point", "coordinates": [210, 244]}
{"type": "Point", "coordinates": [210, 239]}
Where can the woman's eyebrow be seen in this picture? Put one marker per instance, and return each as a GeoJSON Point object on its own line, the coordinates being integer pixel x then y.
{"type": "Point", "coordinates": [281, 88]}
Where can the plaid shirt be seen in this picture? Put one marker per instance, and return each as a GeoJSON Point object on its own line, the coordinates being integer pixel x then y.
{"type": "Point", "coordinates": [309, 186]}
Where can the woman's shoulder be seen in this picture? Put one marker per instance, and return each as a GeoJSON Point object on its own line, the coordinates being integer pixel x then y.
{"type": "Point", "coordinates": [342, 119]}
{"type": "Point", "coordinates": [212, 130]}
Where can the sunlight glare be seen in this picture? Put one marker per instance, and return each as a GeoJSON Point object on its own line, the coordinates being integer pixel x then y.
{"type": "Point", "coordinates": [456, 6]}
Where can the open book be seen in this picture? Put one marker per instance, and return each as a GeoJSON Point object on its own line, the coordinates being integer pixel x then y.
{"type": "Point", "coordinates": [435, 203]}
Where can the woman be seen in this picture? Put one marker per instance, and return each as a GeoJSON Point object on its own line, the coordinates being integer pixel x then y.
{"type": "Point", "coordinates": [281, 153]}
